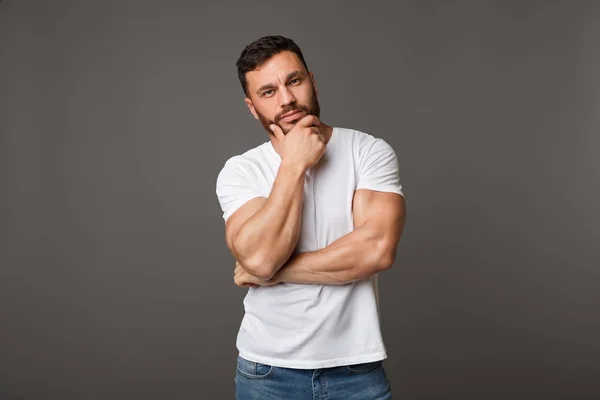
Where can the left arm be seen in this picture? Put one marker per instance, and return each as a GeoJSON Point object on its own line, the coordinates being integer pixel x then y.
{"type": "Point", "coordinates": [368, 249]}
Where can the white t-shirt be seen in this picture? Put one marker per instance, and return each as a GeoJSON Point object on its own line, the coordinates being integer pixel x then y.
{"type": "Point", "coordinates": [313, 326]}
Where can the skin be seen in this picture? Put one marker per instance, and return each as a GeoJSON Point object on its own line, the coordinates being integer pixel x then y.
{"type": "Point", "coordinates": [278, 86]}
{"type": "Point", "coordinates": [263, 233]}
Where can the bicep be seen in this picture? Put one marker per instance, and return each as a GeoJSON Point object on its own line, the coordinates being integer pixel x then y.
{"type": "Point", "coordinates": [239, 217]}
{"type": "Point", "coordinates": [382, 212]}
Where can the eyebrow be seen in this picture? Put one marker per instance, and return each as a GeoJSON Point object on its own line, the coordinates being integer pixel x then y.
{"type": "Point", "coordinates": [272, 86]}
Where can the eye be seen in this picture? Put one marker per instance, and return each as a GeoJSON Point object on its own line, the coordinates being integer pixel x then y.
{"type": "Point", "coordinates": [267, 92]}
{"type": "Point", "coordinates": [295, 80]}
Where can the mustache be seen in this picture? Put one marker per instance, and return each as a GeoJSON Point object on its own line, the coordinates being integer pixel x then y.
{"type": "Point", "coordinates": [291, 108]}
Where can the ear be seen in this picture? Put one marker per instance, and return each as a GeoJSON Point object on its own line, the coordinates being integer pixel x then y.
{"type": "Point", "coordinates": [251, 107]}
{"type": "Point", "coordinates": [314, 82]}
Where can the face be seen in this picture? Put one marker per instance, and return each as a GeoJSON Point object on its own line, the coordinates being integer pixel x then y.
{"type": "Point", "coordinates": [279, 87]}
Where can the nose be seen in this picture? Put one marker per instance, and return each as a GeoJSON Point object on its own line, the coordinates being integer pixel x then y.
{"type": "Point", "coordinates": [286, 97]}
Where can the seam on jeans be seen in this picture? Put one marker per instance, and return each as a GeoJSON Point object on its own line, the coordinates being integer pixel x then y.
{"type": "Point", "coordinates": [314, 385]}
{"type": "Point", "coordinates": [325, 390]}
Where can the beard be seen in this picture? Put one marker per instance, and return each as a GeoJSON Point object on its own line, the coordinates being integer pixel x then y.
{"type": "Point", "coordinates": [312, 109]}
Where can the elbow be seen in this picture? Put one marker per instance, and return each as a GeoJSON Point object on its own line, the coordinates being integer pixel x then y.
{"type": "Point", "coordinates": [256, 265]}
{"type": "Point", "coordinates": [385, 262]}
{"type": "Point", "coordinates": [260, 269]}
{"type": "Point", "coordinates": [378, 263]}
{"type": "Point", "coordinates": [385, 259]}
{"type": "Point", "coordinates": [265, 273]}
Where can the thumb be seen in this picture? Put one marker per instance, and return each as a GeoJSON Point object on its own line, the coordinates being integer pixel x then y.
{"type": "Point", "coordinates": [277, 131]}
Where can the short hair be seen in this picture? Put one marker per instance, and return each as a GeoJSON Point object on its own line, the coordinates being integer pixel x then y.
{"type": "Point", "coordinates": [259, 51]}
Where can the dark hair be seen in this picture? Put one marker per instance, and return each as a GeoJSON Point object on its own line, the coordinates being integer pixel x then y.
{"type": "Point", "coordinates": [259, 51]}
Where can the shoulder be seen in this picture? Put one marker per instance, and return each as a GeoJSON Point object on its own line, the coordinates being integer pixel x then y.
{"type": "Point", "coordinates": [244, 165]}
{"type": "Point", "coordinates": [363, 143]}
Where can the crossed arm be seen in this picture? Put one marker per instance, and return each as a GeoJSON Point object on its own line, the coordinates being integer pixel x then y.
{"type": "Point", "coordinates": [370, 248]}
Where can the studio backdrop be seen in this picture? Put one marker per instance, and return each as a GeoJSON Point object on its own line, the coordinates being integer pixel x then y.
{"type": "Point", "coordinates": [115, 118]}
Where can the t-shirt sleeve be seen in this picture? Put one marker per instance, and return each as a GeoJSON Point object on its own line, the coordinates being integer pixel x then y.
{"type": "Point", "coordinates": [378, 168]}
{"type": "Point", "coordinates": [236, 185]}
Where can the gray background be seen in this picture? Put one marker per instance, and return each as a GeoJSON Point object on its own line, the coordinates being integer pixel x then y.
{"type": "Point", "coordinates": [115, 118]}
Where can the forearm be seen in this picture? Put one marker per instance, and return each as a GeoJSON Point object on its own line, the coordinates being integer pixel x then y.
{"type": "Point", "coordinates": [352, 257]}
{"type": "Point", "coordinates": [267, 239]}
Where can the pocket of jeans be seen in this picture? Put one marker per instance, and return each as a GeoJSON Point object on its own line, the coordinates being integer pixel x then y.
{"type": "Point", "coordinates": [363, 368]}
{"type": "Point", "coordinates": [253, 370]}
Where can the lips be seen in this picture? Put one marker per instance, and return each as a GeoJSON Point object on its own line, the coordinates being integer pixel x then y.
{"type": "Point", "coordinates": [292, 116]}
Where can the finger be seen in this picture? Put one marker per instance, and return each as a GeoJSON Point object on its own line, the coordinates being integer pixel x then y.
{"type": "Point", "coordinates": [310, 120]}
{"type": "Point", "coordinates": [241, 275]}
{"type": "Point", "coordinates": [318, 133]}
{"type": "Point", "coordinates": [277, 131]}
{"type": "Point", "coordinates": [242, 281]}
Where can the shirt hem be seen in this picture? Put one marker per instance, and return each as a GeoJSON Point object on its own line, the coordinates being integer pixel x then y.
{"type": "Point", "coordinates": [382, 188]}
{"type": "Point", "coordinates": [314, 364]}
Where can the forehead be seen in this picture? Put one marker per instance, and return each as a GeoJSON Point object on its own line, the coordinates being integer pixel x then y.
{"type": "Point", "coordinates": [274, 70]}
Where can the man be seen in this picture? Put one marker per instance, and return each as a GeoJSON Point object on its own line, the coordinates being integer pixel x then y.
{"type": "Point", "coordinates": [311, 217]}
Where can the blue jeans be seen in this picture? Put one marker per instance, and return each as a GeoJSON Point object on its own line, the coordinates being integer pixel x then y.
{"type": "Point", "coordinates": [367, 381]}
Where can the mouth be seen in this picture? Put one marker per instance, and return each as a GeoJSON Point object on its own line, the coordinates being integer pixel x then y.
{"type": "Point", "coordinates": [288, 117]}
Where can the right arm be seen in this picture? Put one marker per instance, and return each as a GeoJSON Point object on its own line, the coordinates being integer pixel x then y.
{"type": "Point", "coordinates": [263, 233]}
